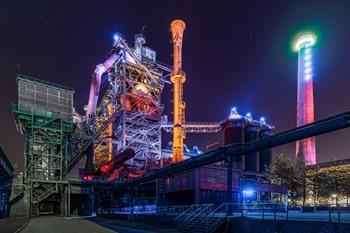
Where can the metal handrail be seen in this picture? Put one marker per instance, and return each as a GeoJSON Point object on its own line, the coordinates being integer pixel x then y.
{"type": "Point", "coordinates": [194, 213]}
{"type": "Point", "coordinates": [191, 214]}
{"type": "Point", "coordinates": [172, 209]}
{"type": "Point", "coordinates": [212, 214]}
{"type": "Point", "coordinates": [186, 212]}
{"type": "Point", "coordinates": [213, 217]}
{"type": "Point", "coordinates": [194, 220]}
{"type": "Point", "coordinates": [46, 192]}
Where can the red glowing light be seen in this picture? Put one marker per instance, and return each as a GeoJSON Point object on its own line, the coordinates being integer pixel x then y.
{"type": "Point", "coordinates": [106, 167]}
{"type": "Point", "coordinates": [305, 149]}
{"type": "Point", "coordinates": [87, 178]}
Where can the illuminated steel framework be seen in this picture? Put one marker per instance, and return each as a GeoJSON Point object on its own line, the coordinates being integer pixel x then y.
{"type": "Point", "coordinates": [133, 100]}
{"type": "Point", "coordinates": [195, 127]}
{"type": "Point", "coordinates": [43, 116]}
{"type": "Point", "coordinates": [305, 149]}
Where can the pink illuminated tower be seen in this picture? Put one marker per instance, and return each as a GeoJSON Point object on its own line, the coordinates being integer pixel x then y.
{"type": "Point", "coordinates": [305, 149]}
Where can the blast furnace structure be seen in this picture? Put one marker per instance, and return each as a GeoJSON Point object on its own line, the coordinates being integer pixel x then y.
{"type": "Point", "coordinates": [70, 156]}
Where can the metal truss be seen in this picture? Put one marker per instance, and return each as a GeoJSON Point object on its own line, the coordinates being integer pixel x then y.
{"type": "Point", "coordinates": [45, 151]}
{"type": "Point", "coordinates": [82, 139]}
{"type": "Point", "coordinates": [195, 127]}
{"type": "Point", "coordinates": [134, 95]}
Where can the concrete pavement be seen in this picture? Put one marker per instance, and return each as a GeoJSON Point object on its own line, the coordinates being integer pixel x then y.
{"type": "Point", "coordinates": [13, 225]}
{"type": "Point", "coordinates": [131, 227]}
{"type": "Point", "coordinates": [53, 224]}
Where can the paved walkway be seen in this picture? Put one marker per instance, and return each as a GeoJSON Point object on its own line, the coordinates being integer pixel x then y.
{"type": "Point", "coordinates": [131, 227]}
{"type": "Point", "coordinates": [52, 224]}
{"type": "Point", "coordinates": [12, 225]}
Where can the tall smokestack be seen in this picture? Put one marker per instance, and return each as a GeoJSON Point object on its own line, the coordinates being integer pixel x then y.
{"type": "Point", "coordinates": [305, 149]}
{"type": "Point", "coordinates": [178, 78]}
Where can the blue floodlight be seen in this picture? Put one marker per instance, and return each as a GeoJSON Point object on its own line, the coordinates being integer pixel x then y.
{"type": "Point", "coordinates": [248, 192]}
{"type": "Point", "coordinates": [116, 37]}
{"type": "Point", "coordinates": [262, 120]}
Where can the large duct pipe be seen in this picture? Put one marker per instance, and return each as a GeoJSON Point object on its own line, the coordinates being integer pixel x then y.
{"type": "Point", "coordinates": [178, 78]}
{"type": "Point", "coordinates": [118, 160]}
{"type": "Point", "coordinates": [96, 83]}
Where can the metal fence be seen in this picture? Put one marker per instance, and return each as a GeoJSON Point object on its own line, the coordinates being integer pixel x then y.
{"type": "Point", "coordinates": [262, 211]}
{"type": "Point", "coordinates": [147, 209]}
{"type": "Point", "coordinates": [280, 212]}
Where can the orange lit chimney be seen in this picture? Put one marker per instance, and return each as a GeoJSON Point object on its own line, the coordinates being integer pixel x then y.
{"type": "Point", "coordinates": [178, 78]}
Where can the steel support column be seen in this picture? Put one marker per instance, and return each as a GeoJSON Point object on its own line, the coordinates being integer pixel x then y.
{"type": "Point", "coordinates": [229, 198]}
{"type": "Point", "coordinates": [157, 193]}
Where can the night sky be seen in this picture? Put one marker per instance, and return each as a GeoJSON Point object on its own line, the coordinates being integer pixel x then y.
{"type": "Point", "coordinates": [236, 53]}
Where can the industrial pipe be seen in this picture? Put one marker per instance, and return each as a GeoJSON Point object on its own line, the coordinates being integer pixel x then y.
{"type": "Point", "coordinates": [119, 159]}
{"type": "Point", "coordinates": [96, 83]}
{"type": "Point", "coordinates": [315, 128]}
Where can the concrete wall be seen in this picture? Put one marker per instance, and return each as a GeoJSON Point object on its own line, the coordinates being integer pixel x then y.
{"type": "Point", "coordinates": [5, 192]}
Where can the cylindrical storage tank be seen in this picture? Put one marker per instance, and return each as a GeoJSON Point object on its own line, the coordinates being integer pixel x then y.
{"type": "Point", "coordinates": [265, 156]}
{"type": "Point", "coordinates": [251, 133]}
{"type": "Point", "coordinates": [233, 131]}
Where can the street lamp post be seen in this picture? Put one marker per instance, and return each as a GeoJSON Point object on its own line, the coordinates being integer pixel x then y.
{"type": "Point", "coordinates": [335, 198]}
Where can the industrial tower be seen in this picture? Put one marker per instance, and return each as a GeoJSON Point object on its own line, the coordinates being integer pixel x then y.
{"type": "Point", "coordinates": [43, 115]}
{"type": "Point", "coordinates": [123, 115]}
{"type": "Point", "coordinates": [178, 78]}
{"type": "Point", "coordinates": [305, 149]}
{"type": "Point", "coordinates": [133, 100]}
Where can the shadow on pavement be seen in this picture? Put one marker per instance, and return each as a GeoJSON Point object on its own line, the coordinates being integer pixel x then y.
{"type": "Point", "coordinates": [13, 225]}
{"type": "Point", "coordinates": [122, 226]}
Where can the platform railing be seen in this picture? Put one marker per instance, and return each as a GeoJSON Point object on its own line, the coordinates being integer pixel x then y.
{"type": "Point", "coordinates": [187, 212]}
{"type": "Point", "coordinates": [207, 215]}
{"type": "Point", "coordinates": [272, 211]}
{"type": "Point", "coordinates": [179, 209]}
{"type": "Point", "coordinates": [195, 219]}
{"type": "Point", "coordinates": [192, 215]}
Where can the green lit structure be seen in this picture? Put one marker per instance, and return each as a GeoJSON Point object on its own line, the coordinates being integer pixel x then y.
{"type": "Point", "coordinates": [43, 115]}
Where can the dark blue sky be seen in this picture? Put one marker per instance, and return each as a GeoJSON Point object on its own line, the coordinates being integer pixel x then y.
{"type": "Point", "coordinates": [236, 53]}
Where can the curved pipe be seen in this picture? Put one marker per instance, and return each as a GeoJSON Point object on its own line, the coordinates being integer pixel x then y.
{"type": "Point", "coordinates": [118, 160]}
{"type": "Point", "coordinates": [96, 83]}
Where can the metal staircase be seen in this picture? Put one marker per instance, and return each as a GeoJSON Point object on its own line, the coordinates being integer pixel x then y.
{"type": "Point", "coordinates": [202, 218]}
{"type": "Point", "coordinates": [180, 218]}
{"type": "Point", "coordinates": [214, 219]}
{"type": "Point", "coordinates": [188, 220]}
{"type": "Point", "coordinates": [42, 191]}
